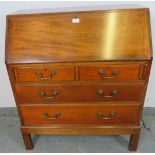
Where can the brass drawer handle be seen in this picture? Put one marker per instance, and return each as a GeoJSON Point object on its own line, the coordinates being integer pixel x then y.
{"type": "Point", "coordinates": [54, 94]}
{"type": "Point", "coordinates": [39, 74]}
{"type": "Point", "coordinates": [113, 74]}
{"type": "Point", "coordinates": [102, 117]}
{"type": "Point", "coordinates": [56, 116]}
{"type": "Point", "coordinates": [100, 92]}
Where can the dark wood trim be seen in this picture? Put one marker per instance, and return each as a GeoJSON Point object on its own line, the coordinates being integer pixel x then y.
{"type": "Point", "coordinates": [27, 141]}
{"type": "Point", "coordinates": [134, 138]}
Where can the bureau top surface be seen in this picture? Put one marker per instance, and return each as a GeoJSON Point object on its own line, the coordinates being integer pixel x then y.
{"type": "Point", "coordinates": [94, 35]}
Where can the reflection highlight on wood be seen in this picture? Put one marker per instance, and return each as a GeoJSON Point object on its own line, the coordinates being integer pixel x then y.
{"type": "Point", "coordinates": [84, 77]}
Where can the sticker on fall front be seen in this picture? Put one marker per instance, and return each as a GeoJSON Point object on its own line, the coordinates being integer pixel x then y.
{"type": "Point", "coordinates": [75, 20]}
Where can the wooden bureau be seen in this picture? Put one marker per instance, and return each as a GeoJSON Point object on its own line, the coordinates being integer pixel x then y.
{"type": "Point", "coordinates": [82, 72]}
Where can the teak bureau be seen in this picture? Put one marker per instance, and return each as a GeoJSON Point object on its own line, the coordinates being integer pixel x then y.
{"type": "Point", "coordinates": [82, 72]}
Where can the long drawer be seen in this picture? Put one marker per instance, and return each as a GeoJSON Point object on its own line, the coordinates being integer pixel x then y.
{"type": "Point", "coordinates": [79, 93]}
{"type": "Point", "coordinates": [105, 114]}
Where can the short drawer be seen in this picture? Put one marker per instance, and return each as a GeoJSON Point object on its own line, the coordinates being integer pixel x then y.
{"type": "Point", "coordinates": [44, 73]}
{"type": "Point", "coordinates": [105, 114]}
{"type": "Point", "coordinates": [112, 72]}
{"type": "Point", "coordinates": [75, 92]}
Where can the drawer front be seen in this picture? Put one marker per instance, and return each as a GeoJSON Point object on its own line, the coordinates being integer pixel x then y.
{"type": "Point", "coordinates": [44, 74]}
{"type": "Point", "coordinates": [112, 72]}
{"type": "Point", "coordinates": [70, 92]}
{"type": "Point", "coordinates": [77, 114]}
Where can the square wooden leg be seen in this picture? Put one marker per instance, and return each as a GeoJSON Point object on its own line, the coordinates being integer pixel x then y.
{"type": "Point", "coordinates": [27, 141]}
{"type": "Point", "coordinates": [134, 138]}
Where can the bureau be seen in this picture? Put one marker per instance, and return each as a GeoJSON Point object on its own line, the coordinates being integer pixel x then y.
{"type": "Point", "coordinates": [80, 72]}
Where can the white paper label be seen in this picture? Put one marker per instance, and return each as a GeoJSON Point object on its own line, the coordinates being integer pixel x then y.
{"type": "Point", "coordinates": [75, 20]}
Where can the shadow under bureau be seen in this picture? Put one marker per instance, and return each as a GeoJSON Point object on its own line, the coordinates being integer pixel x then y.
{"type": "Point", "coordinates": [82, 72]}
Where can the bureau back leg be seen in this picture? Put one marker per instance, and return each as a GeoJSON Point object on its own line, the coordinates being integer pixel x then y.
{"type": "Point", "coordinates": [27, 141]}
{"type": "Point", "coordinates": [134, 138]}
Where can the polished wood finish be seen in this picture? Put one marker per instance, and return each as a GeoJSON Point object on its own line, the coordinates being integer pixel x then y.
{"type": "Point", "coordinates": [87, 114]}
{"type": "Point", "coordinates": [79, 93]}
{"type": "Point", "coordinates": [48, 73]}
{"type": "Point", "coordinates": [79, 129]}
{"type": "Point", "coordinates": [85, 71]}
{"type": "Point", "coordinates": [112, 72]}
{"type": "Point", "coordinates": [52, 37]}
{"type": "Point", "coordinates": [28, 141]}
{"type": "Point", "coordinates": [88, 77]}
{"type": "Point", "coordinates": [134, 138]}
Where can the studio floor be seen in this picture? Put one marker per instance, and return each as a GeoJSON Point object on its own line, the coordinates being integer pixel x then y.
{"type": "Point", "coordinates": [11, 139]}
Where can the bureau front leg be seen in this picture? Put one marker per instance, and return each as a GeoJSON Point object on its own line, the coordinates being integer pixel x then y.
{"type": "Point", "coordinates": [27, 141]}
{"type": "Point", "coordinates": [134, 138]}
